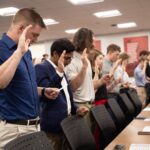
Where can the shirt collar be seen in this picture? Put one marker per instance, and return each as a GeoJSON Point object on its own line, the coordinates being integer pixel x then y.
{"type": "Point", "coordinates": [51, 63]}
{"type": "Point", "coordinates": [110, 62]}
{"type": "Point", "coordinates": [8, 41]}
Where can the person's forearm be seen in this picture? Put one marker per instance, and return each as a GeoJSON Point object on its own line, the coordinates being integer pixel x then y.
{"type": "Point", "coordinates": [78, 80]}
{"type": "Point", "coordinates": [147, 78]}
{"type": "Point", "coordinates": [97, 83]}
{"type": "Point", "coordinates": [112, 71]}
{"type": "Point", "coordinates": [8, 69]}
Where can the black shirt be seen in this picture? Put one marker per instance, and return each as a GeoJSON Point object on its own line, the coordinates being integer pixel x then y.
{"type": "Point", "coordinates": [101, 92]}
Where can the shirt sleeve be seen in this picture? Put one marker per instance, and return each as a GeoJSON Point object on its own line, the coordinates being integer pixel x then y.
{"type": "Point", "coordinates": [4, 54]}
{"type": "Point", "coordinates": [71, 71]}
{"type": "Point", "coordinates": [139, 74]}
{"type": "Point", "coordinates": [118, 73]}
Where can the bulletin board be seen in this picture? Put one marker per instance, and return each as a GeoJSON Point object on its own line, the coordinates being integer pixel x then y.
{"type": "Point", "coordinates": [133, 46]}
{"type": "Point", "coordinates": [97, 44]}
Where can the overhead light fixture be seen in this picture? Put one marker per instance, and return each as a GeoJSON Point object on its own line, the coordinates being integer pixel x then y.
{"type": "Point", "coordinates": [8, 11]}
{"type": "Point", "coordinates": [83, 2]}
{"type": "Point", "coordinates": [71, 31]}
{"type": "Point", "coordinates": [109, 13]}
{"type": "Point", "coordinates": [50, 21]}
{"type": "Point", "coordinates": [127, 25]}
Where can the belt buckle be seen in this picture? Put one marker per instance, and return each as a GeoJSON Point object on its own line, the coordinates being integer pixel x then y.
{"type": "Point", "coordinates": [90, 102]}
{"type": "Point", "coordinates": [29, 122]}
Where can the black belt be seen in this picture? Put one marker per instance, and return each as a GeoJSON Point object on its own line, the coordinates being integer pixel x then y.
{"type": "Point", "coordinates": [88, 102]}
{"type": "Point", "coordinates": [23, 122]}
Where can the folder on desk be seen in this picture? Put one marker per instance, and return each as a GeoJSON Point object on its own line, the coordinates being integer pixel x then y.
{"type": "Point", "coordinates": [145, 131]}
{"type": "Point", "coordinates": [147, 119]}
{"type": "Point", "coordinates": [146, 109]}
{"type": "Point", "coordinates": [139, 147]}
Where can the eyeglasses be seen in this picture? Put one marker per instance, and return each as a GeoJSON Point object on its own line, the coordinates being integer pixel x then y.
{"type": "Point", "coordinates": [67, 58]}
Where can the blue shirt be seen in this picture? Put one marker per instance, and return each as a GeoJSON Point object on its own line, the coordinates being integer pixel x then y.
{"type": "Point", "coordinates": [140, 79]}
{"type": "Point", "coordinates": [19, 100]}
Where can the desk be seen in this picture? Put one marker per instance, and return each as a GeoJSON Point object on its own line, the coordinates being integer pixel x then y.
{"type": "Point", "coordinates": [130, 134]}
{"type": "Point", "coordinates": [145, 113]}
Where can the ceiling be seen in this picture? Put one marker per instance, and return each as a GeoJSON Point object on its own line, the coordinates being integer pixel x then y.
{"type": "Point", "coordinates": [71, 16]}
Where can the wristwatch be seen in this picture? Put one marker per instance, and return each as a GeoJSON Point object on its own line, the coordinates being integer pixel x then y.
{"type": "Point", "coordinates": [43, 92]}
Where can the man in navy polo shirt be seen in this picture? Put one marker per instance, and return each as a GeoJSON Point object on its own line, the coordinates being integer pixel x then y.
{"type": "Point", "coordinates": [19, 103]}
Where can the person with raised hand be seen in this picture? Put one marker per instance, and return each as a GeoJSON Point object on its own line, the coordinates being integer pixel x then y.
{"type": "Point", "coordinates": [8, 68]}
{"type": "Point", "coordinates": [79, 72]}
{"type": "Point", "coordinates": [51, 73]}
{"type": "Point", "coordinates": [19, 94]}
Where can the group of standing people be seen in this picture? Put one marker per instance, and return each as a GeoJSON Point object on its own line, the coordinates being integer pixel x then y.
{"type": "Point", "coordinates": [75, 78]}
{"type": "Point", "coordinates": [21, 85]}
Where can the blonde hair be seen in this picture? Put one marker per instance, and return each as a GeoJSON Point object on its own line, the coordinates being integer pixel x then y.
{"type": "Point", "coordinates": [124, 56]}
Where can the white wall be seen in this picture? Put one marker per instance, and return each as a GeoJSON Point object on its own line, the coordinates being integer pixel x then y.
{"type": "Point", "coordinates": [41, 48]}
{"type": "Point", "coordinates": [118, 39]}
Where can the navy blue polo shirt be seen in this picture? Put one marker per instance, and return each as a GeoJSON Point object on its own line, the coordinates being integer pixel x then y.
{"type": "Point", "coordinates": [19, 100]}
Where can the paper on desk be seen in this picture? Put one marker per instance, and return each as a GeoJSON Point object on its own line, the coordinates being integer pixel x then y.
{"type": "Point", "coordinates": [147, 119]}
{"type": "Point", "coordinates": [146, 109]}
{"type": "Point", "coordinates": [140, 147]}
{"type": "Point", "coordinates": [146, 129]}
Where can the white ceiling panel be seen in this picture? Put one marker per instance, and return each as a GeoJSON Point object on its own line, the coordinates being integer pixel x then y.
{"type": "Point", "coordinates": [71, 16]}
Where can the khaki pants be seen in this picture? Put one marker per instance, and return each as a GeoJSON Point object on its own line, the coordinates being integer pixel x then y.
{"type": "Point", "coordinates": [88, 118]}
{"type": "Point", "coordinates": [142, 94]}
{"type": "Point", "coordinates": [9, 131]}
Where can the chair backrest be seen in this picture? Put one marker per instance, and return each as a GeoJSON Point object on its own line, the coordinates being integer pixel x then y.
{"type": "Point", "coordinates": [33, 141]}
{"type": "Point", "coordinates": [78, 133]}
{"type": "Point", "coordinates": [126, 106]}
{"type": "Point", "coordinates": [105, 123]}
{"type": "Point", "coordinates": [135, 101]}
{"type": "Point", "coordinates": [117, 113]}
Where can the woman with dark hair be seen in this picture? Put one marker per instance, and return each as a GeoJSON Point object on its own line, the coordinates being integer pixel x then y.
{"type": "Point", "coordinates": [96, 60]}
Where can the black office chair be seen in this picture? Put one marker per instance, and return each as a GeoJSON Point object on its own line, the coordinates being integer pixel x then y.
{"type": "Point", "coordinates": [126, 106]}
{"type": "Point", "coordinates": [105, 123]}
{"type": "Point", "coordinates": [33, 141]}
{"type": "Point", "coordinates": [78, 133]}
{"type": "Point", "coordinates": [135, 101]}
{"type": "Point", "coordinates": [117, 114]}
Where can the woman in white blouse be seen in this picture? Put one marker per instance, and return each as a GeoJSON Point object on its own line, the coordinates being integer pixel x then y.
{"type": "Point", "coordinates": [122, 75]}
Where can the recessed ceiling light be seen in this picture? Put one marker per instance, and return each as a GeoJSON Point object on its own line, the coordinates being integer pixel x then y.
{"type": "Point", "coordinates": [82, 2]}
{"type": "Point", "coordinates": [50, 21]}
{"type": "Point", "coordinates": [8, 11]}
{"type": "Point", "coordinates": [127, 25]}
{"type": "Point", "coordinates": [106, 14]}
{"type": "Point", "coordinates": [71, 31]}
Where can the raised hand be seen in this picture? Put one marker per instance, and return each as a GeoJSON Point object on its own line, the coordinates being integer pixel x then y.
{"type": "Point", "coordinates": [23, 43]}
{"type": "Point", "coordinates": [84, 58]}
{"type": "Point", "coordinates": [117, 63]}
{"type": "Point", "coordinates": [61, 66]}
{"type": "Point", "coordinates": [97, 69]}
